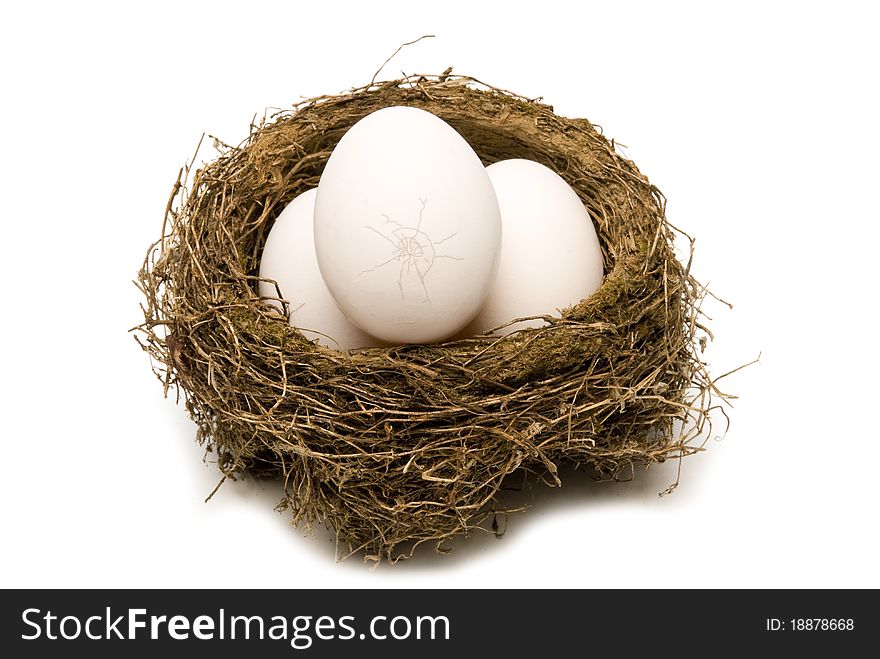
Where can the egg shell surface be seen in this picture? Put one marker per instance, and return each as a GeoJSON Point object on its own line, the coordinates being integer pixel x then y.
{"type": "Point", "coordinates": [407, 227]}
{"type": "Point", "coordinates": [550, 253]}
{"type": "Point", "coordinates": [289, 258]}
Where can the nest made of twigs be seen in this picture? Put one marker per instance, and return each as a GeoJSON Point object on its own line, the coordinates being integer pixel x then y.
{"type": "Point", "coordinates": [392, 447]}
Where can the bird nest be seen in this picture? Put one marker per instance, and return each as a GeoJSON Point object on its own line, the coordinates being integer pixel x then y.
{"type": "Point", "coordinates": [396, 446]}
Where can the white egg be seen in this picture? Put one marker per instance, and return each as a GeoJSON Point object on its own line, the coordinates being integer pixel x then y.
{"type": "Point", "coordinates": [407, 227]}
{"type": "Point", "coordinates": [289, 258]}
{"type": "Point", "coordinates": [550, 254]}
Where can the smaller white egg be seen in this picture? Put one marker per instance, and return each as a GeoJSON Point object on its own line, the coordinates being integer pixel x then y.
{"type": "Point", "coordinates": [550, 254]}
{"type": "Point", "coordinates": [289, 259]}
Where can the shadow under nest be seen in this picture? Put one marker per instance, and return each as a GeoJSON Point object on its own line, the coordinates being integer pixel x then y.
{"type": "Point", "coordinates": [393, 447]}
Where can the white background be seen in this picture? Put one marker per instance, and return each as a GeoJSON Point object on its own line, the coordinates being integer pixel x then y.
{"type": "Point", "coordinates": [758, 121]}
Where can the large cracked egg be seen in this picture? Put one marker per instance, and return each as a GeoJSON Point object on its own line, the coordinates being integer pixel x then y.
{"type": "Point", "coordinates": [407, 227]}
